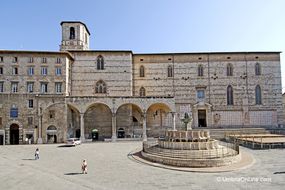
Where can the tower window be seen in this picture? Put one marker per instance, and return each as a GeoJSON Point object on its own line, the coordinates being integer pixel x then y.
{"type": "Point", "coordinates": [142, 91]}
{"type": "Point", "coordinates": [1, 59]}
{"type": "Point", "coordinates": [230, 98]}
{"type": "Point", "coordinates": [72, 33]}
{"type": "Point", "coordinates": [100, 87]}
{"type": "Point", "coordinates": [141, 71]}
{"type": "Point", "coordinates": [170, 71]}
{"type": "Point", "coordinates": [1, 70]}
{"type": "Point", "coordinates": [100, 62]}
{"type": "Point", "coordinates": [200, 71]}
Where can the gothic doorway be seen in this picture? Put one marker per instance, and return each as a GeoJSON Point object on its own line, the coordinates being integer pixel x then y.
{"type": "Point", "coordinates": [14, 134]}
{"type": "Point", "coordinates": [51, 134]}
{"type": "Point", "coordinates": [202, 119]}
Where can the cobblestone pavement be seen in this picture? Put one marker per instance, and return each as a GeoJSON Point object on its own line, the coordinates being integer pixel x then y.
{"type": "Point", "coordinates": [109, 167]}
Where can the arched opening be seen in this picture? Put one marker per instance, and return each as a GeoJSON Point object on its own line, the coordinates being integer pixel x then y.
{"type": "Point", "coordinates": [141, 71]}
{"type": "Point", "coordinates": [258, 95]}
{"type": "Point", "coordinates": [100, 87]}
{"type": "Point", "coordinates": [159, 119]}
{"type": "Point", "coordinates": [230, 96]}
{"type": "Point", "coordinates": [129, 118]}
{"type": "Point", "coordinates": [51, 134]}
{"type": "Point", "coordinates": [200, 70]}
{"type": "Point", "coordinates": [72, 33]}
{"type": "Point", "coordinates": [14, 134]}
{"type": "Point", "coordinates": [142, 91]}
{"type": "Point", "coordinates": [98, 116]}
{"type": "Point", "coordinates": [100, 63]}
{"type": "Point", "coordinates": [73, 118]}
{"type": "Point", "coordinates": [229, 70]}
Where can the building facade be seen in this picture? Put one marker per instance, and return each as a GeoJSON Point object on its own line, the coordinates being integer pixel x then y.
{"type": "Point", "coordinates": [47, 97]}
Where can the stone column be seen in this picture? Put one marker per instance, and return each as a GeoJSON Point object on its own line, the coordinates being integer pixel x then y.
{"type": "Point", "coordinates": [144, 127]}
{"type": "Point", "coordinates": [114, 128]}
{"type": "Point", "coordinates": [174, 120]}
{"type": "Point", "coordinates": [82, 133]}
{"type": "Point", "coordinates": [40, 140]}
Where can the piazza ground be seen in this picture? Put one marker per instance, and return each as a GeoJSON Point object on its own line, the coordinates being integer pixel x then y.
{"type": "Point", "coordinates": [109, 167]}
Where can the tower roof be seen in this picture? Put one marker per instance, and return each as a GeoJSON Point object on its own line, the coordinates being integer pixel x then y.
{"type": "Point", "coordinates": [76, 22]}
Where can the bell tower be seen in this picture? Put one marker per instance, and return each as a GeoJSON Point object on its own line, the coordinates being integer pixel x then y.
{"type": "Point", "coordinates": [75, 36]}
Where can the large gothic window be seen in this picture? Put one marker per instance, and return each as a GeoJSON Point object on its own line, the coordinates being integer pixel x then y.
{"type": "Point", "coordinates": [257, 69]}
{"type": "Point", "coordinates": [258, 95]}
{"type": "Point", "coordinates": [170, 71]}
{"type": "Point", "coordinates": [230, 97]}
{"type": "Point", "coordinates": [229, 70]}
{"type": "Point", "coordinates": [100, 87]}
{"type": "Point", "coordinates": [72, 33]}
{"type": "Point", "coordinates": [200, 70]}
{"type": "Point", "coordinates": [141, 71]}
{"type": "Point", "coordinates": [100, 62]}
{"type": "Point", "coordinates": [142, 91]}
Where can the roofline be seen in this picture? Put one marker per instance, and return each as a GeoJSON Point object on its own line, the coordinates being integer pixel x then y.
{"type": "Point", "coordinates": [76, 22]}
{"type": "Point", "coordinates": [94, 51]}
{"type": "Point", "coordinates": [193, 53]}
{"type": "Point", "coordinates": [36, 52]}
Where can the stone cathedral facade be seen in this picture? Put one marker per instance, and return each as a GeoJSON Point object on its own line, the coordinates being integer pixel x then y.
{"type": "Point", "coordinates": [47, 97]}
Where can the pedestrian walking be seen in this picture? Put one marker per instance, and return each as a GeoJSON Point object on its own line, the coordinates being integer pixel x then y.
{"type": "Point", "coordinates": [37, 154]}
{"type": "Point", "coordinates": [84, 167]}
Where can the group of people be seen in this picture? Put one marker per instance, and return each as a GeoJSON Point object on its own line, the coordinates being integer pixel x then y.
{"type": "Point", "coordinates": [83, 166]}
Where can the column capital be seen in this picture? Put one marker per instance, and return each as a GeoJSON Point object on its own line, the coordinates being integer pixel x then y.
{"type": "Point", "coordinates": [114, 114]}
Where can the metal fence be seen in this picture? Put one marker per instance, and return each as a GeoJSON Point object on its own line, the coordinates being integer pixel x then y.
{"type": "Point", "coordinates": [223, 150]}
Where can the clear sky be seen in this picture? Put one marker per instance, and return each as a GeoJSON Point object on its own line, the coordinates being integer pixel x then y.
{"type": "Point", "coordinates": [148, 25]}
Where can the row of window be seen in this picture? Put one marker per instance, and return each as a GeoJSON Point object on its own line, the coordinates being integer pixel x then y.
{"type": "Point", "coordinates": [31, 71]}
{"type": "Point", "coordinates": [200, 70]}
{"type": "Point", "coordinates": [30, 59]}
{"type": "Point", "coordinates": [30, 87]}
{"type": "Point", "coordinates": [230, 97]}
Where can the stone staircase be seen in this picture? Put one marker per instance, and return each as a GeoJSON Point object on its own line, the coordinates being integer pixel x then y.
{"type": "Point", "coordinates": [221, 133]}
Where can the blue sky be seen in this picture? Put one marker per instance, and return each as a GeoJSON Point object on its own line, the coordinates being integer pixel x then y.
{"type": "Point", "coordinates": [149, 25]}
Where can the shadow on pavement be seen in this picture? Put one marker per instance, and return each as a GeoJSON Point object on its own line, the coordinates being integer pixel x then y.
{"type": "Point", "coordinates": [73, 173]}
{"type": "Point", "coordinates": [28, 159]}
{"type": "Point", "coordinates": [62, 146]}
{"type": "Point", "coordinates": [279, 173]}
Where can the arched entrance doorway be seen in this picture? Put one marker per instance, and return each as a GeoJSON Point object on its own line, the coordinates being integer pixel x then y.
{"type": "Point", "coordinates": [159, 119]}
{"type": "Point", "coordinates": [14, 134]}
{"type": "Point", "coordinates": [73, 118]}
{"type": "Point", "coordinates": [98, 116]}
{"type": "Point", "coordinates": [129, 121]}
{"type": "Point", "coordinates": [51, 134]}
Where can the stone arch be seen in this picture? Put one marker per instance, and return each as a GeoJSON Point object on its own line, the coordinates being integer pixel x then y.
{"type": "Point", "coordinates": [98, 116]}
{"type": "Point", "coordinates": [8, 131]}
{"type": "Point", "coordinates": [51, 132]}
{"type": "Point", "coordinates": [73, 121]}
{"type": "Point", "coordinates": [129, 118]}
{"type": "Point", "coordinates": [158, 119]}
